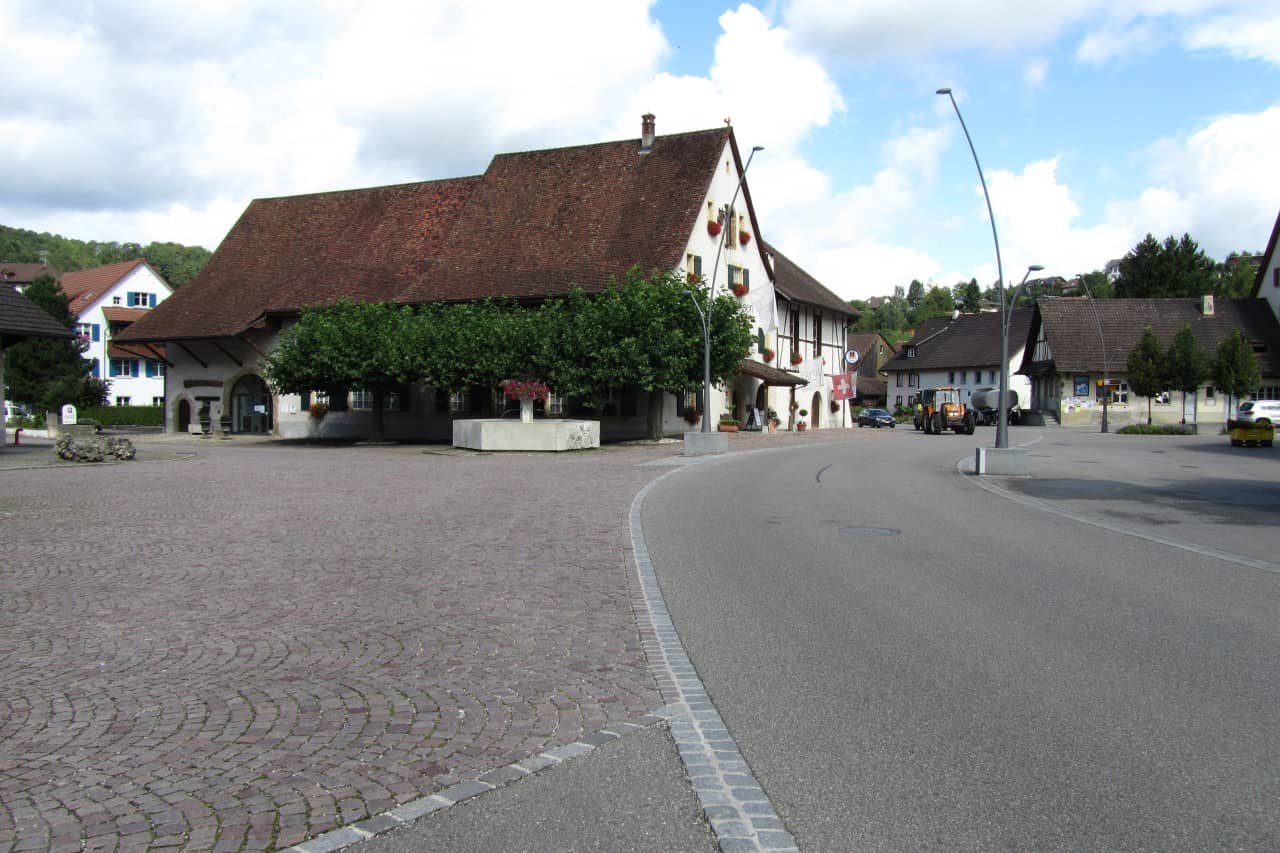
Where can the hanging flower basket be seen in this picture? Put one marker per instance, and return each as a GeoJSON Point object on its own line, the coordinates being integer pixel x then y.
{"type": "Point", "coordinates": [741, 290]}
{"type": "Point", "coordinates": [796, 358]}
{"type": "Point", "coordinates": [768, 356]}
{"type": "Point", "coordinates": [713, 228]}
{"type": "Point", "coordinates": [744, 237]}
{"type": "Point", "coordinates": [693, 277]}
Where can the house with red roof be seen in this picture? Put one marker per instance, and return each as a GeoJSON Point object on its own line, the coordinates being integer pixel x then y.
{"type": "Point", "coordinates": [105, 301]}
{"type": "Point", "coordinates": [535, 225]}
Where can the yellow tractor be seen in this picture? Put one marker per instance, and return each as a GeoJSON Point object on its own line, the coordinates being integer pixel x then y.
{"type": "Point", "coordinates": [941, 410]}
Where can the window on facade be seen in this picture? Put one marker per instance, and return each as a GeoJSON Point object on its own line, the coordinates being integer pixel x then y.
{"type": "Point", "coordinates": [555, 403]}
{"type": "Point", "coordinates": [899, 375]}
{"type": "Point", "coordinates": [124, 367]}
{"type": "Point", "coordinates": [735, 276]}
{"type": "Point", "coordinates": [157, 401]}
{"type": "Point", "coordinates": [693, 266]}
{"type": "Point", "coordinates": [391, 401]}
{"type": "Point", "coordinates": [142, 300]}
{"type": "Point", "coordinates": [991, 376]}
{"type": "Point", "coordinates": [89, 331]}
{"type": "Point", "coordinates": [795, 330]}
{"type": "Point", "coordinates": [459, 401]}
{"type": "Point", "coordinates": [964, 377]}
{"type": "Point", "coordinates": [115, 300]}
{"type": "Point", "coordinates": [915, 380]}
{"type": "Point", "coordinates": [361, 401]}
{"type": "Point", "coordinates": [951, 377]}
{"type": "Point", "coordinates": [911, 352]}
{"type": "Point", "coordinates": [817, 334]}
{"type": "Point", "coordinates": [155, 369]}
{"type": "Point", "coordinates": [124, 401]}
{"type": "Point", "coordinates": [897, 401]}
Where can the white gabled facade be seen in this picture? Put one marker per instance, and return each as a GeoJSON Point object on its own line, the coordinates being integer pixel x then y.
{"type": "Point", "coordinates": [105, 300]}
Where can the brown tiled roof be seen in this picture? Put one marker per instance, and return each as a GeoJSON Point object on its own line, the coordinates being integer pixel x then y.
{"type": "Point", "coordinates": [795, 284]}
{"type": "Point", "coordinates": [970, 340]}
{"type": "Point", "coordinates": [21, 318]}
{"type": "Point", "coordinates": [124, 315]}
{"type": "Point", "coordinates": [301, 251]}
{"type": "Point", "coordinates": [143, 351]}
{"type": "Point", "coordinates": [541, 222]}
{"type": "Point", "coordinates": [84, 287]}
{"type": "Point", "coordinates": [24, 273]}
{"type": "Point", "coordinates": [1075, 333]}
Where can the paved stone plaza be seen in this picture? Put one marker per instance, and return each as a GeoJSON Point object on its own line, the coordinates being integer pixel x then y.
{"type": "Point", "coordinates": [241, 645]}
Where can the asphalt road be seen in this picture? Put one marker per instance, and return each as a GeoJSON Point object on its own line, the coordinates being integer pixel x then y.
{"type": "Point", "coordinates": [910, 661]}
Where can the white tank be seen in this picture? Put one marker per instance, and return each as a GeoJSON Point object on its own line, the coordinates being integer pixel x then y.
{"type": "Point", "coordinates": [986, 398]}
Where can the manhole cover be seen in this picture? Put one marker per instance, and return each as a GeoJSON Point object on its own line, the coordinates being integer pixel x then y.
{"type": "Point", "coordinates": [869, 531]}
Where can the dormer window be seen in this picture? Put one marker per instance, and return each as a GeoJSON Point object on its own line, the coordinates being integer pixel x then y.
{"type": "Point", "coordinates": [911, 352]}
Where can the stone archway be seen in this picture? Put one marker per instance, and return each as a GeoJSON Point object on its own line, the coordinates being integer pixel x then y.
{"type": "Point", "coordinates": [183, 423]}
{"type": "Point", "coordinates": [251, 406]}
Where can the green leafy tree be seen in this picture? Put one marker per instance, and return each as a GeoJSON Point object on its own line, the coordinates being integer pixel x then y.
{"type": "Point", "coordinates": [968, 295]}
{"type": "Point", "coordinates": [1236, 275]}
{"type": "Point", "coordinates": [49, 372]}
{"type": "Point", "coordinates": [1176, 268]}
{"type": "Point", "coordinates": [1098, 285]}
{"type": "Point", "coordinates": [645, 333]}
{"type": "Point", "coordinates": [938, 302]}
{"type": "Point", "coordinates": [915, 294]}
{"type": "Point", "coordinates": [177, 263]}
{"type": "Point", "coordinates": [347, 345]}
{"type": "Point", "coordinates": [1187, 364]}
{"type": "Point", "coordinates": [1235, 370]}
{"type": "Point", "coordinates": [1146, 368]}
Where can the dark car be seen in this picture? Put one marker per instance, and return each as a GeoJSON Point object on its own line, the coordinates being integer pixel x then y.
{"type": "Point", "coordinates": [876, 418]}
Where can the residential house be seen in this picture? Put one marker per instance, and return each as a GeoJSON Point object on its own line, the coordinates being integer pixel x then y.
{"type": "Point", "coordinates": [535, 225]}
{"type": "Point", "coordinates": [962, 350]}
{"type": "Point", "coordinates": [874, 352]}
{"type": "Point", "coordinates": [1074, 343]}
{"type": "Point", "coordinates": [1267, 284]}
{"type": "Point", "coordinates": [105, 301]}
{"type": "Point", "coordinates": [20, 318]}
{"type": "Point", "coordinates": [20, 275]}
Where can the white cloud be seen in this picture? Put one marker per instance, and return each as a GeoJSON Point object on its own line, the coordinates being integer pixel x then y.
{"type": "Point", "coordinates": [1247, 35]}
{"type": "Point", "coordinates": [1217, 184]}
{"type": "Point", "coordinates": [1111, 43]}
{"type": "Point", "coordinates": [1033, 76]}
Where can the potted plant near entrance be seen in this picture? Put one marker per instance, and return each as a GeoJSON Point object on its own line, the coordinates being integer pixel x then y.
{"type": "Point", "coordinates": [773, 421]}
{"type": "Point", "coordinates": [801, 425]}
{"type": "Point", "coordinates": [728, 423]}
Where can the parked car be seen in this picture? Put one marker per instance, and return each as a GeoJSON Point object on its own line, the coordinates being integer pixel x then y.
{"type": "Point", "coordinates": [11, 411]}
{"type": "Point", "coordinates": [876, 418]}
{"type": "Point", "coordinates": [1258, 410]}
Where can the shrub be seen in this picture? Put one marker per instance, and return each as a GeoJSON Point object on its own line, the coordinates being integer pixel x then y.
{"type": "Point", "coordinates": [124, 415]}
{"type": "Point", "coordinates": [1154, 429]}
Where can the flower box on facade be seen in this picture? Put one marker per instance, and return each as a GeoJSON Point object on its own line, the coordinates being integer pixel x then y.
{"type": "Point", "coordinates": [741, 290]}
{"type": "Point", "coordinates": [796, 358]}
{"type": "Point", "coordinates": [767, 355]}
{"type": "Point", "coordinates": [744, 237]}
{"type": "Point", "coordinates": [713, 228]}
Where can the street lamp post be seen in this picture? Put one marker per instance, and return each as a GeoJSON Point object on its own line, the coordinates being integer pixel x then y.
{"type": "Point", "coordinates": [1002, 428]}
{"type": "Point", "coordinates": [706, 315]}
{"type": "Point", "coordinates": [1106, 387]}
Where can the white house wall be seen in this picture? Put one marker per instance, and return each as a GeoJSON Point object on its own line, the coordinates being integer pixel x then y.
{"type": "Point", "coordinates": [140, 390]}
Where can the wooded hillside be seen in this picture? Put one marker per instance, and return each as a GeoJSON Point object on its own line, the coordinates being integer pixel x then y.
{"type": "Point", "coordinates": [176, 262]}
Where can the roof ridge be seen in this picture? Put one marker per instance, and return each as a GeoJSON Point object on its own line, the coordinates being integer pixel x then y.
{"type": "Point", "coordinates": [632, 139]}
{"type": "Point", "coordinates": [354, 190]}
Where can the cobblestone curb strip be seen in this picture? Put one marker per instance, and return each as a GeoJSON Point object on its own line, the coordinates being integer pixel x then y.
{"type": "Point", "coordinates": [735, 804]}
{"type": "Point", "coordinates": [406, 813]}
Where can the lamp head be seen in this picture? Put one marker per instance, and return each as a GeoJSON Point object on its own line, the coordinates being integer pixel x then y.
{"type": "Point", "coordinates": [757, 147]}
{"type": "Point", "coordinates": [1035, 268]}
{"type": "Point", "coordinates": [944, 91]}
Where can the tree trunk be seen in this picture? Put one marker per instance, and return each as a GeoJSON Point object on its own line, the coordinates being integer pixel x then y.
{"type": "Point", "coordinates": [656, 399]}
{"type": "Point", "coordinates": [1148, 411]}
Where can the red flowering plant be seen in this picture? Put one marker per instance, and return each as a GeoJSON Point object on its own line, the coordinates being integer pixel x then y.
{"type": "Point", "coordinates": [713, 228]}
{"type": "Point", "coordinates": [516, 389]}
{"type": "Point", "coordinates": [744, 237]}
{"type": "Point", "coordinates": [741, 290]}
{"type": "Point", "coordinates": [768, 355]}
{"type": "Point", "coordinates": [796, 357]}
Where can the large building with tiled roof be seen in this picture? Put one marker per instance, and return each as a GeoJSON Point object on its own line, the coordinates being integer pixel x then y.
{"type": "Point", "coordinates": [105, 301]}
{"type": "Point", "coordinates": [962, 351]}
{"type": "Point", "coordinates": [1075, 342]}
{"type": "Point", "coordinates": [535, 225]}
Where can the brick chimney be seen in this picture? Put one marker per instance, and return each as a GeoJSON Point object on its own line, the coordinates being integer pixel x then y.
{"type": "Point", "coordinates": [646, 132]}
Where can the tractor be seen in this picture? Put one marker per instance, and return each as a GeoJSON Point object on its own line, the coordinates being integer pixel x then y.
{"type": "Point", "coordinates": [940, 409]}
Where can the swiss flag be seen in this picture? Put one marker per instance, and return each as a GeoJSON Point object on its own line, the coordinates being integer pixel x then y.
{"type": "Point", "coordinates": [843, 387]}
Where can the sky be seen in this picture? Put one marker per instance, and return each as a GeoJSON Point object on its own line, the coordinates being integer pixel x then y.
{"type": "Point", "coordinates": [1095, 121]}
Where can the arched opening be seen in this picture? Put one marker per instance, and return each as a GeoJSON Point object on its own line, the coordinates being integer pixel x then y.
{"type": "Point", "coordinates": [815, 411]}
{"type": "Point", "coordinates": [251, 406]}
{"type": "Point", "coordinates": [184, 416]}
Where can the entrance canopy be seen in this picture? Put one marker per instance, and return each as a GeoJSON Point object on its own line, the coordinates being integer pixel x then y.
{"type": "Point", "coordinates": [770, 375]}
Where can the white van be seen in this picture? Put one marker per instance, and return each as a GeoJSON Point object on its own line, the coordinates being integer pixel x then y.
{"type": "Point", "coordinates": [12, 411]}
{"type": "Point", "coordinates": [1259, 410]}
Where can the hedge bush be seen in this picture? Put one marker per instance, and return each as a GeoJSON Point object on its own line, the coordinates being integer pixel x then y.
{"type": "Point", "coordinates": [124, 415]}
{"type": "Point", "coordinates": [1154, 429]}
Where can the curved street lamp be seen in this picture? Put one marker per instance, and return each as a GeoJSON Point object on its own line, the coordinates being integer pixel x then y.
{"type": "Point", "coordinates": [1106, 388]}
{"type": "Point", "coordinates": [711, 292]}
{"type": "Point", "coordinates": [1002, 428]}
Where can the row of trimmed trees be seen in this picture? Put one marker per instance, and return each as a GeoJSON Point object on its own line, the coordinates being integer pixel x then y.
{"type": "Point", "coordinates": [1184, 366]}
{"type": "Point", "coordinates": [643, 332]}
